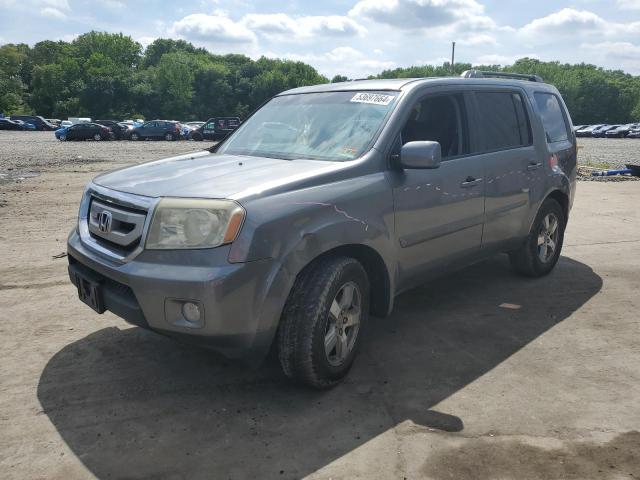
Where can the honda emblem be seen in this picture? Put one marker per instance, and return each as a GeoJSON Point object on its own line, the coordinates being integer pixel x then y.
{"type": "Point", "coordinates": [104, 221]}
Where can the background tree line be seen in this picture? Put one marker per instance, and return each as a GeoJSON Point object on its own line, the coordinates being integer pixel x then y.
{"type": "Point", "coordinates": [104, 75]}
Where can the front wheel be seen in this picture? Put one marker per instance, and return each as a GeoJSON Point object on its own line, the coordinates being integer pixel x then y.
{"type": "Point", "coordinates": [62, 138]}
{"type": "Point", "coordinates": [97, 137]}
{"type": "Point", "coordinates": [540, 253]}
{"type": "Point", "coordinates": [323, 321]}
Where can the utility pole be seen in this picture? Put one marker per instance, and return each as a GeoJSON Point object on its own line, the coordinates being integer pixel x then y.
{"type": "Point", "coordinates": [453, 55]}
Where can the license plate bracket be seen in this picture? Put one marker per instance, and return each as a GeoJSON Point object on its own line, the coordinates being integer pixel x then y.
{"type": "Point", "coordinates": [90, 292]}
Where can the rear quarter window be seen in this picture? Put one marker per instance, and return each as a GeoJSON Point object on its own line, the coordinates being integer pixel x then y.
{"type": "Point", "coordinates": [553, 120]}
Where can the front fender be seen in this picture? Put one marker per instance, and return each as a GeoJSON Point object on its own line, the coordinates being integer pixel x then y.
{"type": "Point", "coordinates": [294, 228]}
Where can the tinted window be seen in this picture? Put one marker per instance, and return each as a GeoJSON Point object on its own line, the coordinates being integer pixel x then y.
{"type": "Point", "coordinates": [552, 118]}
{"type": "Point", "coordinates": [439, 119]}
{"type": "Point", "coordinates": [503, 120]}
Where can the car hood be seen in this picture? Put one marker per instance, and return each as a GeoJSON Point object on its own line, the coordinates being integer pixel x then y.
{"type": "Point", "coordinates": [210, 175]}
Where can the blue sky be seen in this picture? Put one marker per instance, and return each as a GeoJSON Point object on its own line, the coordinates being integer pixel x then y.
{"type": "Point", "coordinates": [355, 38]}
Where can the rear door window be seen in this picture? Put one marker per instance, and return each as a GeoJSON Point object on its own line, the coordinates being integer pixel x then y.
{"type": "Point", "coordinates": [553, 121]}
{"type": "Point", "coordinates": [504, 122]}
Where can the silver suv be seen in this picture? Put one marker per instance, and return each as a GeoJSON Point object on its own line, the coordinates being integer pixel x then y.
{"type": "Point", "coordinates": [322, 207]}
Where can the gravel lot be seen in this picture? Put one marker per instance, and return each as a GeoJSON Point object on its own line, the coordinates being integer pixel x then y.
{"type": "Point", "coordinates": [475, 376]}
{"type": "Point", "coordinates": [615, 152]}
{"type": "Point", "coordinates": [25, 153]}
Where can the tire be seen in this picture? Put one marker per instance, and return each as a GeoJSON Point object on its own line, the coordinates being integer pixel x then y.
{"type": "Point", "coordinates": [534, 258]}
{"type": "Point", "coordinates": [62, 138]}
{"type": "Point", "coordinates": [308, 322]}
{"type": "Point", "coordinates": [135, 137]}
{"type": "Point", "coordinates": [169, 137]}
{"type": "Point", "coordinates": [197, 137]}
{"type": "Point", "coordinates": [97, 137]}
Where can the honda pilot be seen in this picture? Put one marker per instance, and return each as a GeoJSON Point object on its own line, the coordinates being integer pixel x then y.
{"type": "Point", "coordinates": [323, 206]}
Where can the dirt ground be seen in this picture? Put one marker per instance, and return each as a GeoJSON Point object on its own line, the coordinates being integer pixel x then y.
{"type": "Point", "coordinates": [478, 375]}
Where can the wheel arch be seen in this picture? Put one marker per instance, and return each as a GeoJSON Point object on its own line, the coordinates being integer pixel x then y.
{"type": "Point", "coordinates": [563, 199]}
{"type": "Point", "coordinates": [377, 273]}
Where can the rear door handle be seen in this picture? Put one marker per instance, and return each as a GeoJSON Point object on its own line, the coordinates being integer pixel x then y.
{"type": "Point", "coordinates": [471, 182]}
{"type": "Point", "coordinates": [534, 166]}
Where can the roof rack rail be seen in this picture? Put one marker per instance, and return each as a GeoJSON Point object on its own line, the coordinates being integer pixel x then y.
{"type": "Point", "coordinates": [486, 74]}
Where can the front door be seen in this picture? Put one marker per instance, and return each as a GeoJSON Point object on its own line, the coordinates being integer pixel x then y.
{"type": "Point", "coordinates": [439, 212]}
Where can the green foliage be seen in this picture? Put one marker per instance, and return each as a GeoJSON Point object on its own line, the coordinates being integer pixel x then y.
{"type": "Point", "coordinates": [592, 94]}
{"type": "Point", "coordinates": [104, 75]}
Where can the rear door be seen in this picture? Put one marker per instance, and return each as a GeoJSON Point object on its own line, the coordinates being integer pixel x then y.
{"type": "Point", "coordinates": [514, 174]}
{"type": "Point", "coordinates": [438, 212]}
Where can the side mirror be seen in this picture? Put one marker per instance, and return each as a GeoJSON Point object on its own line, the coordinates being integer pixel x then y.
{"type": "Point", "coordinates": [420, 155]}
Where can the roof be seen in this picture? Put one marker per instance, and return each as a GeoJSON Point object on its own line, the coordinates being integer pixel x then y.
{"type": "Point", "coordinates": [406, 84]}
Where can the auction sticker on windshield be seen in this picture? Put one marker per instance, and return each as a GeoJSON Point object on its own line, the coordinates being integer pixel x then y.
{"type": "Point", "coordinates": [373, 98]}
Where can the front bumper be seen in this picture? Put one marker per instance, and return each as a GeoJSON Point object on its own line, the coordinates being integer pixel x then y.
{"type": "Point", "coordinates": [240, 302]}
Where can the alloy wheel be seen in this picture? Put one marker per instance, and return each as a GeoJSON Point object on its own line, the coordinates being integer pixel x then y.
{"type": "Point", "coordinates": [343, 324]}
{"type": "Point", "coordinates": [548, 237]}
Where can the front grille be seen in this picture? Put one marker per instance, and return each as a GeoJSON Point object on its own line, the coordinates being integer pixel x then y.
{"type": "Point", "coordinates": [115, 227]}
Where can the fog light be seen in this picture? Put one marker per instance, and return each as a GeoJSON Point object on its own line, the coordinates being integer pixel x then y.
{"type": "Point", "coordinates": [191, 312]}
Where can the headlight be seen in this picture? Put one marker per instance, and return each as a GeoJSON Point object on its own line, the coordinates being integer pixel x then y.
{"type": "Point", "coordinates": [194, 223]}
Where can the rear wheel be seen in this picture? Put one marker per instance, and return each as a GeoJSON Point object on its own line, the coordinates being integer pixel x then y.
{"type": "Point", "coordinates": [323, 321]}
{"type": "Point", "coordinates": [169, 137]}
{"type": "Point", "coordinates": [540, 253]}
{"type": "Point", "coordinates": [97, 137]}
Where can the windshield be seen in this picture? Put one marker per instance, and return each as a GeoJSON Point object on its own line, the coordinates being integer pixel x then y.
{"type": "Point", "coordinates": [333, 126]}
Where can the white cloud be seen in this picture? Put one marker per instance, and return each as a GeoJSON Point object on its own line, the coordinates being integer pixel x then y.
{"type": "Point", "coordinates": [52, 13]}
{"type": "Point", "coordinates": [614, 54]}
{"type": "Point", "coordinates": [567, 21]}
{"type": "Point", "coordinates": [572, 23]}
{"type": "Point", "coordinates": [281, 24]}
{"type": "Point", "coordinates": [628, 4]}
{"type": "Point", "coordinates": [408, 14]}
{"type": "Point", "coordinates": [212, 29]}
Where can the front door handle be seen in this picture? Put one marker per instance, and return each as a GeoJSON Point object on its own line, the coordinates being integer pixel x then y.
{"type": "Point", "coordinates": [471, 182]}
{"type": "Point", "coordinates": [533, 166]}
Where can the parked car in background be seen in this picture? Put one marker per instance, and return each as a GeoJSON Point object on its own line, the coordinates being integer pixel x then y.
{"type": "Point", "coordinates": [157, 129]}
{"type": "Point", "coordinates": [194, 124]}
{"type": "Point", "coordinates": [119, 132]}
{"type": "Point", "coordinates": [600, 131]}
{"type": "Point", "coordinates": [587, 130]}
{"type": "Point", "coordinates": [39, 122]}
{"type": "Point", "coordinates": [65, 123]}
{"type": "Point", "coordinates": [578, 127]}
{"type": "Point", "coordinates": [25, 126]}
{"type": "Point", "coordinates": [6, 124]}
{"type": "Point", "coordinates": [83, 131]}
{"type": "Point", "coordinates": [634, 133]}
{"type": "Point", "coordinates": [619, 132]}
{"type": "Point", "coordinates": [54, 121]}
{"type": "Point", "coordinates": [216, 128]}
